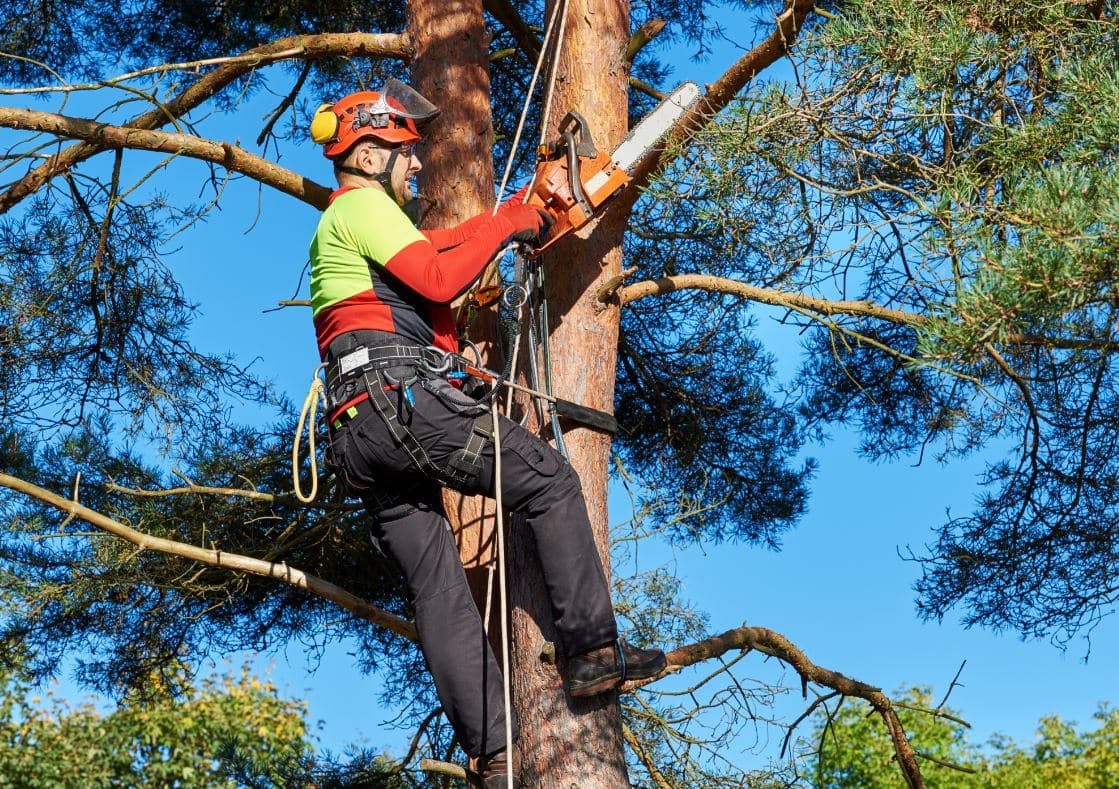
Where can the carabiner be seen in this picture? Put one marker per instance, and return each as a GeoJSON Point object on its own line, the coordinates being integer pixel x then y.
{"type": "Point", "coordinates": [442, 368]}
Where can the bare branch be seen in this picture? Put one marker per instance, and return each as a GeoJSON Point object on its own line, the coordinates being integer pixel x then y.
{"type": "Point", "coordinates": [315, 47]}
{"type": "Point", "coordinates": [102, 136]}
{"type": "Point", "coordinates": [255, 495]}
{"type": "Point", "coordinates": [504, 12]}
{"type": "Point", "coordinates": [774, 644]}
{"type": "Point", "coordinates": [820, 306]}
{"type": "Point", "coordinates": [647, 89]}
{"type": "Point", "coordinates": [443, 768]}
{"type": "Point", "coordinates": [645, 758]}
{"type": "Point", "coordinates": [163, 68]}
{"type": "Point", "coordinates": [215, 558]}
{"type": "Point", "coordinates": [288, 100]}
{"type": "Point", "coordinates": [778, 298]}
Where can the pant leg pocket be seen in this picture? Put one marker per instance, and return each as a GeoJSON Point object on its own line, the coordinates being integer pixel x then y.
{"type": "Point", "coordinates": [362, 454]}
{"type": "Point", "coordinates": [536, 453]}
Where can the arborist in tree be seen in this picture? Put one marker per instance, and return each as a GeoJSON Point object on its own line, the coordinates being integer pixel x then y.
{"type": "Point", "coordinates": [401, 428]}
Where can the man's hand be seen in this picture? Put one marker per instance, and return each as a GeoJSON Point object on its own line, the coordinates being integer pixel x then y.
{"type": "Point", "coordinates": [531, 223]}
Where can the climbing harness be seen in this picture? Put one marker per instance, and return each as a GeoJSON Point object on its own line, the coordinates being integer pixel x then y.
{"type": "Point", "coordinates": [378, 371]}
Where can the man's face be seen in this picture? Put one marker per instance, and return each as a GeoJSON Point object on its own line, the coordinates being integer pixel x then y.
{"type": "Point", "coordinates": [404, 170]}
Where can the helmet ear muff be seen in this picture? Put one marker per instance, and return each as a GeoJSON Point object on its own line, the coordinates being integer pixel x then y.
{"type": "Point", "coordinates": [324, 125]}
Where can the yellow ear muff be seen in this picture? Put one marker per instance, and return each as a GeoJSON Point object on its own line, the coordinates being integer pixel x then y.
{"type": "Point", "coordinates": [324, 125]}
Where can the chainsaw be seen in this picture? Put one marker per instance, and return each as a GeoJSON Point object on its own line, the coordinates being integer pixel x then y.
{"type": "Point", "coordinates": [574, 179]}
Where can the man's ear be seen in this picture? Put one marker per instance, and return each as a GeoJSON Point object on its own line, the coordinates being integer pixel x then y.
{"type": "Point", "coordinates": [367, 159]}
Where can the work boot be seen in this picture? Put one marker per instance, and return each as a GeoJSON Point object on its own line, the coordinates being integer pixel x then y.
{"type": "Point", "coordinates": [607, 667]}
{"type": "Point", "coordinates": [491, 772]}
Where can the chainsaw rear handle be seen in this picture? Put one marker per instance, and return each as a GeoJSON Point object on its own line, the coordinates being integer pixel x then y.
{"type": "Point", "coordinates": [575, 122]}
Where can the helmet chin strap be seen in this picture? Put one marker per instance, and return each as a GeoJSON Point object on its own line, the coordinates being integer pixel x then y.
{"type": "Point", "coordinates": [384, 178]}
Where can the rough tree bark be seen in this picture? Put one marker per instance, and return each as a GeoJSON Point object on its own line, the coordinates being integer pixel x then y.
{"type": "Point", "coordinates": [563, 742]}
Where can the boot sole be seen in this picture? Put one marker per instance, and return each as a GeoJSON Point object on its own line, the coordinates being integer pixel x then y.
{"type": "Point", "coordinates": [608, 682]}
{"type": "Point", "coordinates": [611, 681]}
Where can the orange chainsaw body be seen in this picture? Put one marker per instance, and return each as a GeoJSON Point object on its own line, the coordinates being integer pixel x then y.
{"type": "Point", "coordinates": [573, 198]}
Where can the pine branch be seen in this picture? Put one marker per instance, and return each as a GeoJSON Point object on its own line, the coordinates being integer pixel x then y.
{"type": "Point", "coordinates": [314, 47]}
{"type": "Point", "coordinates": [821, 306]}
{"type": "Point", "coordinates": [102, 136]}
{"type": "Point", "coordinates": [214, 558]}
{"type": "Point", "coordinates": [642, 36]}
{"type": "Point", "coordinates": [504, 12]}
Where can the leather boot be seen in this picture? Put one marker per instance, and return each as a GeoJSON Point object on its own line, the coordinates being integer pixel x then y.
{"type": "Point", "coordinates": [491, 772]}
{"type": "Point", "coordinates": [607, 667]}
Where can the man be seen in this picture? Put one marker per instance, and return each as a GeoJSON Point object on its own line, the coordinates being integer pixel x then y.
{"type": "Point", "coordinates": [381, 292]}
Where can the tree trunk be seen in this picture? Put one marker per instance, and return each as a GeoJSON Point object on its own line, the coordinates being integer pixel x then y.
{"type": "Point", "coordinates": [451, 68]}
{"type": "Point", "coordinates": [565, 742]}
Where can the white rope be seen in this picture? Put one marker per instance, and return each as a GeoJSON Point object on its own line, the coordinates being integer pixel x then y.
{"type": "Point", "coordinates": [501, 562]}
{"type": "Point", "coordinates": [315, 395]}
{"type": "Point", "coordinates": [528, 97]}
{"type": "Point", "coordinates": [560, 10]}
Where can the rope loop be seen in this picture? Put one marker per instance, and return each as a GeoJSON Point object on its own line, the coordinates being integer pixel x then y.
{"type": "Point", "coordinates": [316, 395]}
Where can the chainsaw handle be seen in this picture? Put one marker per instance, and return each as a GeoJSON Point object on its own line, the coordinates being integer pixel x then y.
{"type": "Point", "coordinates": [574, 175]}
{"type": "Point", "coordinates": [577, 124]}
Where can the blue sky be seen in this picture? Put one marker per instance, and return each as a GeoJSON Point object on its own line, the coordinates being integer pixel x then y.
{"type": "Point", "coordinates": [838, 588]}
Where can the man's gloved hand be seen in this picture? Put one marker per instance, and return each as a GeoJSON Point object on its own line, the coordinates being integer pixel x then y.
{"type": "Point", "coordinates": [531, 223]}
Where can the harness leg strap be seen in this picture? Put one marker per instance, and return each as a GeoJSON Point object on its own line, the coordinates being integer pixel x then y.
{"type": "Point", "coordinates": [464, 468]}
{"type": "Point", "coordinates": [463, 471]}
{"type": "Point", "coordinates": [375, 387]}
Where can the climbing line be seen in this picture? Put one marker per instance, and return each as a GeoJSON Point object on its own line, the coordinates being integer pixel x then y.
{"type": "Point", "coordinates": [501, 562]}
{"type": "Point", "coordinates": [316, 395]}
{"type": "Point", "coordinates": [560, 10]}
{"type": "Point", "coordinates": [528, 96]}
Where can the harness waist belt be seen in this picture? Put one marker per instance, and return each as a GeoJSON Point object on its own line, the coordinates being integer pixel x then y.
{"type": "Point", "coordinates": [360, 360]}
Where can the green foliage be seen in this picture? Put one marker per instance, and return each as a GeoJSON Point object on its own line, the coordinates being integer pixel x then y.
{"type": "Point", "coordinates": [943, 176]}
{"type": "Point", "coordinates": [852, 748]}
{"type": "Point", "coordinates": [234, 732]}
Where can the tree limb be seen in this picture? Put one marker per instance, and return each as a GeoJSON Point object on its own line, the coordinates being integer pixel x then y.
{"type": "Point", "coordinates": [778, 298]}
{"type": "Point", "coordinates": [647, 89]}
{"type": "Point", "coordinates": [800, 301]}
{"type": "Point", "coordinates": [504, 12]}
{"type": "Point", "coordinates": [214, 558]}
{"type": "Point", "coordinates": [647, 760]}
{"type": "Point", "coordinates": [313, 47]}
{"type": "Point", "coordinates": [101, 136]}
{"type": "Point", "coordinates": [642, 36]}
{"type": "Point", "coordinates": [776, 645]}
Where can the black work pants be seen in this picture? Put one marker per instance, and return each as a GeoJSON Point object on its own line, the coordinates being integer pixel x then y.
{"type": "Point", "coordinates": [411, 527]}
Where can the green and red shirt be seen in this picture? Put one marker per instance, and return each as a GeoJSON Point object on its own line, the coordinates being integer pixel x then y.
{"type": "Point", "coordinates": [371, 269]}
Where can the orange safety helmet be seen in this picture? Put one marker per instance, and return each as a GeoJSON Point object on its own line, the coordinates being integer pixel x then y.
{"type": "Point", "coordinates": [393, 116]}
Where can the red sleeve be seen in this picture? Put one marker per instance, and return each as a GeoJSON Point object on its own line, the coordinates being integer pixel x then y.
{"type": "Point", "coordinates": [453, 236]}
{"type": "Point", "coordinates": [441, 277]}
